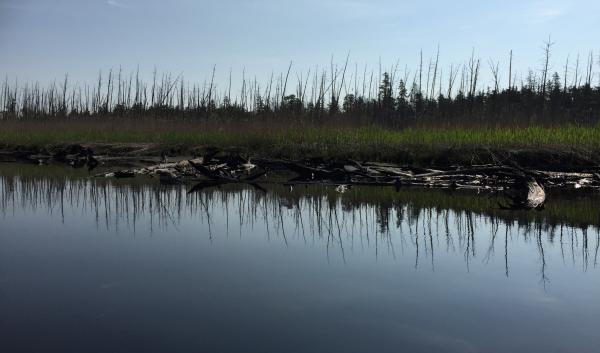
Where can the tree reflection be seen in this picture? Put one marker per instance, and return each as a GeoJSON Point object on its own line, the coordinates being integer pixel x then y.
{"type": "Point", "coordinates": [381, 221]}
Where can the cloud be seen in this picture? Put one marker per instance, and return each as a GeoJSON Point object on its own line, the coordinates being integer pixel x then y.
{"type": "Point", "coordinates": [118, 4]}
{"type": "Point", "coordinates": [546, 14]}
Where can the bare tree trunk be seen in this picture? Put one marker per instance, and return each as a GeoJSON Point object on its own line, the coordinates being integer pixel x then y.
{"type": "Point", "coordinates": [421, 72]}
{"type": "Point", "coordinates": [510, 71]}
{"type": "Point", "coordinates": [287, 75]}
{"type": "Point", "coordinates": [437, 58]}
{"type": "Point", "coordinates": [566, 74]}
{"type": "Point", "coordinates": [547, 47]}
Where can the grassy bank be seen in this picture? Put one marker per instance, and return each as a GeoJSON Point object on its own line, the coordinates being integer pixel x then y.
{"type": "Point", "coordinates": [280, 139]}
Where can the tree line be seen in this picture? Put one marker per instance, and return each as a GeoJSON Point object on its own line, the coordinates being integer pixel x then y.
{"type": "Point", "coordinates": [428, 95]}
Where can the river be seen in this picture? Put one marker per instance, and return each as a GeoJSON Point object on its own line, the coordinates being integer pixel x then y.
{"type": "Point", "coordinates": [95, 265]}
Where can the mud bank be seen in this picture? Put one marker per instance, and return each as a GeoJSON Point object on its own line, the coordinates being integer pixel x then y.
{"type": "Point", "coordinates": [425, 156]}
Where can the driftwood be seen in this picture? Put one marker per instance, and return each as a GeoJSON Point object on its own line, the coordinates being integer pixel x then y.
{"type": "Point", "coordinates": [528, 196]}
{"type": "Point", "coordinates": [524, 189]}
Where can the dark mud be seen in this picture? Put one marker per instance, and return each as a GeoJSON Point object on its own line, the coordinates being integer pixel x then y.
{"type": "Point", "coordinates": [136, 154]}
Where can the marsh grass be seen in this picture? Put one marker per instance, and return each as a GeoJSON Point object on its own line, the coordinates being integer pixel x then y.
{"type": "Point", "coordinates": [296, 139]}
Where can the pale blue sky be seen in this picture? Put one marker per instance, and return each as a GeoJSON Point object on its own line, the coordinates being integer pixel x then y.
{"type": "Point", "coordinates": [43, 39]}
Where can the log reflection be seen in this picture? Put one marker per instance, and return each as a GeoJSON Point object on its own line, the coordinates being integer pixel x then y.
{"type": "Point", "coordinates": [412, 223]}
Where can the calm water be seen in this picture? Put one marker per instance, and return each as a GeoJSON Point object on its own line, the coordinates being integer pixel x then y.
{"type": "Point", "coordinates": [106, 266]}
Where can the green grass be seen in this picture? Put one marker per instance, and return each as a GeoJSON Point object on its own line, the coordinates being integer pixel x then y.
{"type": "Point", "coordinates": [570, 136]}
{"type": "Point", "coordinates": [301, 140]}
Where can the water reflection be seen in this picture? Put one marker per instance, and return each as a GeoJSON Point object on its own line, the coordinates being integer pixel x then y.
{"type": "Point", "coordinates": [420, 224]}
{"type": "Point", "coordinates": [132, 266]}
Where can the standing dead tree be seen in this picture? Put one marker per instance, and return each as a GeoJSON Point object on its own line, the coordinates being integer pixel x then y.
{"type": "Point", "coordinates": [547, 48]}
{"type": "Point", "coordinates": [510, 71]}
{"type": "Point", "coordinates": [494, 68]}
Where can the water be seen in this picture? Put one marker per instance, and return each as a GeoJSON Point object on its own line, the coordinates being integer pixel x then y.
{"type": "Point", "coordinates": [131, 266]}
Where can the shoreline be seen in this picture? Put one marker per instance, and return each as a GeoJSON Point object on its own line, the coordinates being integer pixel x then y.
{"type": "Point", "coordinates": [523, 176]}
{"type": "Point", "coordinates": [553, 159]}
{"type": "Point", "coordinates": [572, 207]}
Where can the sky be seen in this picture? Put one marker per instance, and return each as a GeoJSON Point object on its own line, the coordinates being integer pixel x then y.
{"type": "Point", "coordinates": [44, 39]}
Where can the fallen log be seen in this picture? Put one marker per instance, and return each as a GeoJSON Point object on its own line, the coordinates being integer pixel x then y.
{"type": "Point", "coordinates": [123, 174]}
{"type": "Point", "coordinates": [526, 196]}
{"type": "Point", "coordinates": [523, 189]}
